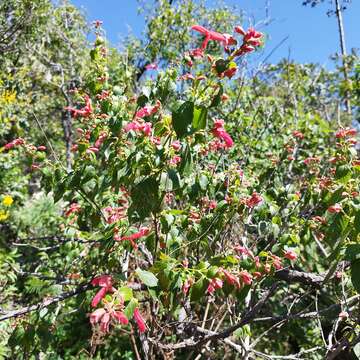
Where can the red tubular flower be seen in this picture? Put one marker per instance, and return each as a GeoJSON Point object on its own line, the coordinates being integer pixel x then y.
{"type": "Point", "coordinates": [139, 125]}
{"type": "Point", "coordinates": [186, 286]}
{"type": "Point", "coordinates": [15, 142]}
{"type": "Point", "coordinates": [298, 134]}
{"type": "Point", "coordinates": [210, 35]}
{"type": "Point", "coordinates": [276, 262]}
{"type": "Point", "coordinates": [148, 110]}
{"type": "Point", "coordinates": [257, 274]}
{"type": "Point", "coordinates": [176, 145]}
{"type": "Point", "coordinates": [96, 315]}
{"type": "Point", "coordinates": [231, 279]}
{"type": "Point", "coordinates": [104, 316]}
{"type": "Point", "coordinates": [342, 133]}
{"type": "Point", "coordinates": [86, 111]}
{"type": "Point", "coordinates": [240, 30]}
{"type": "Point", "coordinates": [105, 282]}
{"type": "Point", "coordinates": [175, 160]}
{"type": "Point", "coordinates": [254, 200]}
{"type": "Point", "coordinates": [334, 208]}
{"type": "Point", "coordinates": [152, 66]}
{"type": "Point", "coordinates": [105, 323]}
{"type": "Point", "coordinates": [219, 132]}
{"type": "Point", "coordinates": [214, 284]}
{"type": "Point", "coordinates": [290, 254]}
{"type": "Point", "coordinates": [139, 321]}
{"type": "Point", "coordinates": [246, 277]}
{"type": "Point", "coordinates": [142, 232]}
{"type": "Point", "coordinates": [120, 317]}
{"type": "Point", "coordinates": [73, 208]}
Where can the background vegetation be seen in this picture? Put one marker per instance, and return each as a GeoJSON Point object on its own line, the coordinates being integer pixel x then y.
{"type": "Point", "coordinates": [81, 177]}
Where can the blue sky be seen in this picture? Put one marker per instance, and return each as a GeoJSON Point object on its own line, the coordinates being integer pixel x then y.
{"type": "Point", "coordinates": [312, 35]}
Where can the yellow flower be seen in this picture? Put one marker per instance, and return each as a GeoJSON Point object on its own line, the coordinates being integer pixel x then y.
{"type": "Point", "coordinates": [3, 215]}
{"type": "Point", "coordinates": [7, 200]}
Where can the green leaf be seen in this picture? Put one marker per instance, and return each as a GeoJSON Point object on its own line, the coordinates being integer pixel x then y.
{"type": "Point", "coordinates": [356, 350]}
{"type": "Point", "coordinates": [131, 306]}
{"type": "Point", "coordinates": [126, 293]}
{"type": "Point", "coordinates": [352, 252]}
{"type": "Point", "coordinates": [198, 289]}
{"type": "Point", "coordinates": [221, 65]}
{"type": "Point", "coordinates": [145, 198]}
{"type": "Point", "coordinates": [199, 118]}
{"type": "Point", "coordinates": [357, 221]}
{"type": "Point", "coordinates": [355, 274]}
{"type": "Point", "coordinates": [147, 277]}
{"type": "Point", "coordinates": [182, 118]}
{"type": "Point", "coordinates": [185, 165]}
{"type": "Point", "coordinates": [217, 98]}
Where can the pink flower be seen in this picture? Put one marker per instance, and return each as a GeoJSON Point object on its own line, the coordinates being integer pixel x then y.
{"type": "Point", "coordinates": [105, 323]}
{"type": "Point", "coordinates": [9, 145]}
{"type": "Point", "coordinates": [257, 274]}
{"type": "Point", "coordinates": [298, 134]}
{"type": "Point", "coordinates": [276, 262]}
{"type": "Point", "coordinates": [92, 150]}
{"type": "Point", "coordinates": [290, 254]}
{"type": "Point", "coordinates": [214, 284]}
{"type": "Point", "coordinates": [148, 110]}
{"type": "Point", "coordinates": [254, 200]}
{"type": "Point", "coordinates": [104, 317]}
{"type": "Point", "coordinates": [105, 282]}
{"type": "Point", "coordinates": [100, 139]}
{"type": "Point", "coordinates": [212, 204]}
{"type": "Point", "coordinates": [310, 159]}
{"type": "Point", "coordinates": [175, 160]}
{"type": "Point", "coordinates": [241, 250]}
{"type": "Point", "coordinates": [152, 66]}
{"type": "Point", "coordinates": [120, 316]}
{"type": "Point", "coordinates": [334, 208]}
{"type": "Point", "coordinates": [240, 30]}
{"type": "Point", "coordinates": [176, 145]}
{"type": "Point", "coordinates": [209, 35]}
{"type": "Point", "coordinates": [73, 208]}
{"type": "Point", "coordinates": [246, 277]}
{"type": "Point", "coordinates": [115, 214]}
{"type": "Point", "coordinates": [136, 125]}
{"type": "Point", "coordinates": [86, 111]}
{"type": "Point", "coordinates": [345, 132]}
{"type": "Point", "coordinates": [41, 148]}
{"type": "Point", "coordinates": [343, 315]}
{"type": "Point", "coordinates": [231, 279]}
{"type": "Point", "coordinates": [196, 53]}
{"type": "Point", "coordinates": [142, 232]}
{"type": "Point", "coordinates": [186, 286]}
{"type": "Point", "coordinates": [219, 132]}
{"type": "Point", "coordinates": [139, 321]}
{"type": "Point", "coordinates": [146, 128]}
{"type": "Point", "coordinates": [187, 76]}
{"type": "Point", "coordinates": [252, 34]}
{"type": "Point", "coordinates": [96, 315]}
{"type": "Point", "coordinates": [97, 23]}
{"type": "Point", "coordinates": [15, 142]}
{"type": "Point", "coordinates": [224, 97]}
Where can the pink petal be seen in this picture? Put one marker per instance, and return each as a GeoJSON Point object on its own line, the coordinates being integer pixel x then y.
{"type": "Point", "coordinates": [97, 298]}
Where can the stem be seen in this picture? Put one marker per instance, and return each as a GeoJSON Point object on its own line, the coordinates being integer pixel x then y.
{"type": "Point", "coordinates": [343, 53]}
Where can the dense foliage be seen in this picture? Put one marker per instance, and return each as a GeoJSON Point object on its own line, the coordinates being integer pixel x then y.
{"type": "Point", "coordinates": [174, 199]}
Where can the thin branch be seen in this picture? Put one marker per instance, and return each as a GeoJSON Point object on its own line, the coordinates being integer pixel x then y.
{"type": "Point", "coordinates": [46, 303]}
{"type": "Point", "coordinates": [245, 319]}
